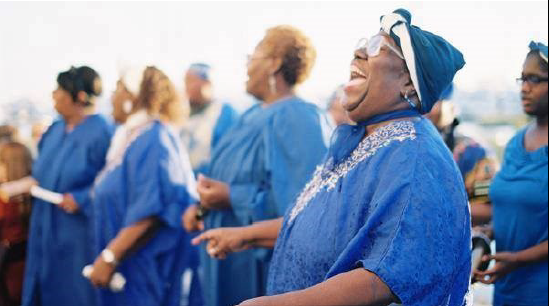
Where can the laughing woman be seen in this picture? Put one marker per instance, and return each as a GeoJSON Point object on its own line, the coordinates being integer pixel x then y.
{"type": "Point", "coordinates": [385, 219]}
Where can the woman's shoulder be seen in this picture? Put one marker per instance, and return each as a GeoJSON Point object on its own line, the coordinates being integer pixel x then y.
{"type": "Point", "coordinates": [99, 126]}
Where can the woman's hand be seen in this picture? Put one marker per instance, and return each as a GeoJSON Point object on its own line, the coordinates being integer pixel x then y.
{"type": "Point", "coordinates": [102, 273]}
{"type": "Point", "coordinates": [69, 204]}
{"type": "Point", "coordinates": [190, 221]}
{"type": "Point", "coordinates": [505, 264]}
{"type": "Point", "coordinates": [224, 241]}
{"type": "Point", "coordinates": [213, 194]}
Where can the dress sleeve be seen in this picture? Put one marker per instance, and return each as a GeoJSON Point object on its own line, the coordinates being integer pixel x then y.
{"type": "Point", "coordinates": [416, 237]}
{"type": "Point", "coordinates": [156, 183]}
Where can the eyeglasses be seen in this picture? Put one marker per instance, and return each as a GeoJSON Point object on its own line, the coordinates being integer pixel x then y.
{"type": "Point", "coordinates": [373, 46]}
{"type": "Point", "coordinates": [532, 79]}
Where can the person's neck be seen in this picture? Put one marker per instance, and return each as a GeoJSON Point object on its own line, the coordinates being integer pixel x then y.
{"type": "Point", "coordinates": [542, 124]}
{"type": "Point", "coordinates": [280, 94]}
{"type": "Point", "coordinates": [75, 119]}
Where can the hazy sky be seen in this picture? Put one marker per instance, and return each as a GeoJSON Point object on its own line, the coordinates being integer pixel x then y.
{"type": "Point", "coordinates": [37, 40]}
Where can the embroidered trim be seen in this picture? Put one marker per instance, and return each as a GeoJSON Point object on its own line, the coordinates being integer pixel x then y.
{"type": "Point", "coordinates": [326, 178]}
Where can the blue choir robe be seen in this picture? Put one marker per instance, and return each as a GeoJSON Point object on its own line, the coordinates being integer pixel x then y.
{"type": "Point", "coordinates": [266, 159]}
{"type": "Point", "coordinates": [149, 175]}
{"type": "Point", "coordinates": [59, 244]}
{"type": "Point", "coordinates": [396, 206]}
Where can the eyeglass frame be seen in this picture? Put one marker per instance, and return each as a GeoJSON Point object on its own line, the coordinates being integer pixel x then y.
{"type": "Point", "coordinates": [532, 79]}
{"type": "Point", "coordinates": [383, 42]}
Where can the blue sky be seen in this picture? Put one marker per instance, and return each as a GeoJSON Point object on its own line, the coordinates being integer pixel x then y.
{"type": "Point", "coordinates": [39, 39]}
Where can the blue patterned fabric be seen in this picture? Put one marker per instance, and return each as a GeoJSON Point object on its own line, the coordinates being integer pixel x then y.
{"type": "Point", "coordinates": [520, 214]}
{"type": "Point", "coordinates": [59, 245]}
{"type": "Point", "coordinates": [396, 207]}
{"type": "Point", "coordinates": [147, 181]}
{"type": "Point", "coordinates": [266, 158]}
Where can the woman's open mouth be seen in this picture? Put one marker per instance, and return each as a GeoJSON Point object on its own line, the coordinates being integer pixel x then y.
{"type": "Point", "coordinates": [355, 90]}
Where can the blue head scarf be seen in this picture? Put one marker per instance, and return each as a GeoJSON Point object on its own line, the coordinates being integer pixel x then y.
{"type": "Point", "coordinates": [201, 70]}
{"type": "Point", "coordinates": [541, 48]}
{"type": "Point", "coordinates": [432, 62]}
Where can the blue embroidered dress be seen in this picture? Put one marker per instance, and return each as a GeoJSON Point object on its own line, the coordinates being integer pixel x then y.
{"type": "Point", "coordinates": [148, 175]}
{"type": "Point", "coordinates": [396, 207]}
{"type": "Point", "coordinates": [266, 158]}
{"type": "Point", "coordinates": [59, 245]}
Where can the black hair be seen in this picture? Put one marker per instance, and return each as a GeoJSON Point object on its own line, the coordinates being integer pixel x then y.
{"type": "Point", "coordinates": [80, 79]}
{"type": "Point", "coordinates": [541, 62]}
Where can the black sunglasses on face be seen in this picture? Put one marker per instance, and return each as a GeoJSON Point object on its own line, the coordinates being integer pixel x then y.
{"type": "Point", "coordinates": [532, 79]}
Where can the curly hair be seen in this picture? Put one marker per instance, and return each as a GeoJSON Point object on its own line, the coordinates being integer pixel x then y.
{"type": "Point", "coordinates": [294, 48]}
{"type": "Point", "coordinates": [158, 96]}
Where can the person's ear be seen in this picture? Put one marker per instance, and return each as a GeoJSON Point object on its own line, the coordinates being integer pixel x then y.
{"type": "Point", "coordinates": [82, 97]}
{"type": "Point", "coordinates": [276, 65]}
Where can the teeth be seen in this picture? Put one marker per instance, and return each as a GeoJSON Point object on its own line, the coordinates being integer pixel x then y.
{"type": "Point", "coordinates": [357, 71]}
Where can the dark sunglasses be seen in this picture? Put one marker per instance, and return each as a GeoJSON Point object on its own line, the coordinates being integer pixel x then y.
{"type": "Point", "coordinates": [532, 79]}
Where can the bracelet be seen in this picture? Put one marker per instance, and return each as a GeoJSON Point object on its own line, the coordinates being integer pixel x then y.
{"type": "Point", "coordinates": [202, 213]}
{"type": "Point", "coordinates": [109, 257]}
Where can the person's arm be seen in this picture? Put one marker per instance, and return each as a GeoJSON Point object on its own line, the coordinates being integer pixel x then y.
{"type": "Point", "coordinates": [224, 241]}
{"type": "Point", "coordinates": [481, 213]}
{"type": "Point", "coordinates": [127, 241]}
{"type": "Point", "coordinates": [355, 288]}
{"type": "Point", "coordinates": [507, 262]}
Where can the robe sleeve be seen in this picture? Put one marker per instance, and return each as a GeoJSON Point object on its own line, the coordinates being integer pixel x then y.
{"type": "Point", "coordinates": [156, 183]}
{"type": "Point", "coordinates": [416, 237]}
{"type": "Point", "coordinates": [96, 161]}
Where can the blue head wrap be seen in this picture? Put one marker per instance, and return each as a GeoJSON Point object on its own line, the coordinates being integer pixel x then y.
{"type": "Point", "coordinates": [541, 48]}
{"type": "Point", "coordinates": [201, 70]}
{"type": "Point", "coordinates": [431, 60]}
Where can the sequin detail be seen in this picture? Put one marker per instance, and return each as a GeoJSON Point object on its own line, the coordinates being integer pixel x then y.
{"type": "Point", "coordinates": [326, 178]}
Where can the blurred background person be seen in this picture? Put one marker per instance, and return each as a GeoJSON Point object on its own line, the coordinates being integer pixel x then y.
{"type": "Point", "coordinates": [518, 194]}
{"type": "Point", "coordinates": [337, 113]}
{"type": "Point", "coordinates": [7, 133]}
{"type": "Point", "coordinates": [261, 164]}
{"type": "Point", "coordinates": [209, 119]}
{"type": "Point", "coordinates": [70, 155]}
{"type": "Point", "coordinates": [477, 162]}
{"type": "Point", "coordinates": [140, 195]}
{"type": "Point", "coordinates": [15, 164]}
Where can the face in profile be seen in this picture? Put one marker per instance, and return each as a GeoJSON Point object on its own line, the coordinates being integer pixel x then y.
{"type": "Point", "coordinates": [64, 103]}
{"type": "Point", "coordinates": [375, 83]}
{"type": "Point", "coordinates": [258, 73]}
{"type": "Point", "coordinates": [534, 96]}
{"type": "Point", "coordinates": [198, 90]}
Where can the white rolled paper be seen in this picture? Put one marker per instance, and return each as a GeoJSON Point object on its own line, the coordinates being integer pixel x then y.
{"type": "Point", "coordinates": [15, 188]}
{"type": "Point", "coordinates": [117, 284]}
{"type": "Point", "coordinates": [46, 195]}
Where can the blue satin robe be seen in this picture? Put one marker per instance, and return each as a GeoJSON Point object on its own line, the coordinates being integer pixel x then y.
{"type": "Point", "coordinates": [59, 244]}
{"type": "Point", "coordinates": [266, 158]}
{"type": "Point", "coordinates": [149, 181]}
